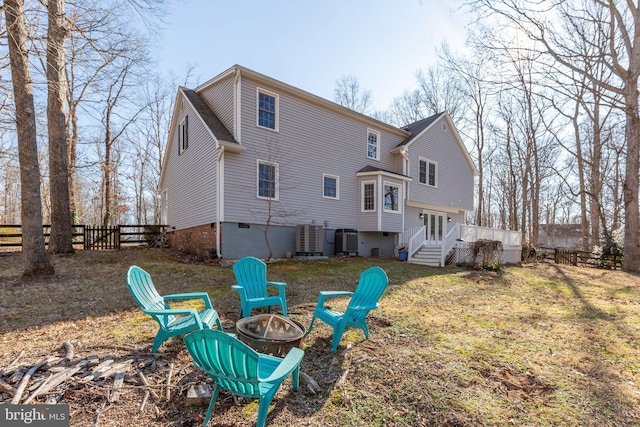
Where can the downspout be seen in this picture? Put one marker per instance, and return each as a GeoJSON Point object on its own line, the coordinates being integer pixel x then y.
{"type": "Point", "coordinates": [237, 134]}
{"type": "Point", "coordinates": [219, 199]}
{"type": "Point", "coordinates": [405, 184]}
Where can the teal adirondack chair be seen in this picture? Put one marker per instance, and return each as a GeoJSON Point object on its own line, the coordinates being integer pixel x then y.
{"type": "Point", "coordinates": [241, 370]}
{"type": "Point", "coordinates": [371, 286]}
{"type": "Point", "coordinates": [252, 285]}
{"type": "Point", "coordinates": [172, 322]}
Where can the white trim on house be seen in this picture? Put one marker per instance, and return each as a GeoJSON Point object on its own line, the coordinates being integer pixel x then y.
{"type": "Point", "coordinates": [370, 132]}
{"type": "Point", "coordinates": [454, 132]}
{"type": "Point", "coordinates": [164, 199]}
{"type": "Point", "coordinates": [362, 195]}
{"type": "Point", "coordinates": [237, 115]}
{"type": "Point", "coordinates": [276, 113]}
{"type": "Point", "coordinates": [428, 161]}
{"type": "Point", "coordinates": [276, 178]}
{"type": "Point", "coordinates": [284, 87]}
{"type": "Point", "coordinates": [337, 178]}
{"type": "Point", "coordinates": [399, 198]}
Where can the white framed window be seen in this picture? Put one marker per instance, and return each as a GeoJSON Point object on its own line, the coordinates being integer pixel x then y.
{"type": "Point", "coordinates": [373, 144]}
{"type": "Point", "coordinates": [267, 109]}
{"type": "Point", "coordinates": [183, 134]}
{"type": "Point", "coordinates": [391, 197]}
{"type": "Point", "coordinates": [428, 172]}
{"type": "Point", "coordinates": [267, 180]}
{"type": "Point", "coordinates": [368, 196]}
{"type": "Point", "coordinates": [330, 186]}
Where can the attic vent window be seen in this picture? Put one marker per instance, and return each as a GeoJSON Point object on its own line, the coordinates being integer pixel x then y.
{"type": "Point", "coordinates": [183, 135]}
{"type": "Point", "coordinates": [444, 127]}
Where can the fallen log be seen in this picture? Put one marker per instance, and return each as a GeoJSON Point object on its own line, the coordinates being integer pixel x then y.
{"type": "Point", "coordinates": [168, 391]}
{"type": "Point", "coordinates": [54, 381]}
{"type": "Point", "coordinates": [6, 388]}
{"type": "Point", "coordinates": [70, 350]}
{"type": "Point", "coordinates": [311, 383]}
{"type": "Point", "coordinates": [146, 383]}
{"type": "Point", "coordinates": [117, 386]}
{"type": "Point", "coordinates": [24, 381]}
{"type": "Point", "coordinates": [11, 366]}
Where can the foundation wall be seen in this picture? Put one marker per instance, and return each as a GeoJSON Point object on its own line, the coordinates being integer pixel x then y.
{"type": "Point", "coordinates": [199, 241]}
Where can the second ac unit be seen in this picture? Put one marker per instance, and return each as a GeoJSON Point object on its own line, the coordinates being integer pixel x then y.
{"type": "Point", "coordinates": [308, 239]}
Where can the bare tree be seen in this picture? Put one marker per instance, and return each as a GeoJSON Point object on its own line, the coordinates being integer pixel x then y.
{"type": "Point", "coordinates": [348, 93]}
{"type": "Point", "coordinates": [408, 108]}
{"type": "Point", "coordinates": [61, 232]}
{"type": "Point", "coordinates": [619, 22]}
{"type": "Point", "coordinates": [476, 90]}
{"type": "Point", "coordinates": [34, 256]}
{"type": "Point", "coordinates": [440, 91]}
{"type": "Point", "coordinates": [274, 182]}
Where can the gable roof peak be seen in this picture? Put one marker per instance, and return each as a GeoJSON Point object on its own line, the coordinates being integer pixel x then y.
{"type": "Point", "coordinates": [417, 127]}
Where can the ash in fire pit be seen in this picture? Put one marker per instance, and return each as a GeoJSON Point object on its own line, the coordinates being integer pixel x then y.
{"type": "Point", "coordinates": [270, 333]}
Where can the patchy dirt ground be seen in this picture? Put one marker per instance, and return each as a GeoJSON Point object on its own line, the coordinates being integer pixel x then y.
{"type": "Point", "coordinates": [538, 345]}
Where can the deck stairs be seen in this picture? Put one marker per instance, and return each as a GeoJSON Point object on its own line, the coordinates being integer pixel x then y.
{"type": "Point", "coordinates": [427, 255]}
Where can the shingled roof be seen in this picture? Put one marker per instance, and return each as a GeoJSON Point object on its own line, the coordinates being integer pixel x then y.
{"type": "Point", "coordinates": [420, 125]}
{"type": "Point", "coordinates": [208, 116]}
{"type": "Point", "coordinates": [370, 168]}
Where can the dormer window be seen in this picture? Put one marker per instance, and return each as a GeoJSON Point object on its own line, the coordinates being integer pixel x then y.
{"type": "Point", "coordinates": [373, 144]}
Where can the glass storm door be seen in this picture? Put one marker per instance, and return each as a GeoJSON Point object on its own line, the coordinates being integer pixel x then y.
{"type": "Point", "coordinates": [434, 226]}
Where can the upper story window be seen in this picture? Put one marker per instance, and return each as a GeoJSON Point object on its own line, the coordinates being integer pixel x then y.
{"type": "Point", "coordinates": [368, 196]}
{"type": "Point", "coordinates": [373, 144]}
{"type": "Point", "coordinates": [267, 180]}
{"type": "Point", "coordinates": [267, 109]}
{"type": "Point", "coordinates": [183, 135]}
{"type": "Point", "coordinates": [331, 189]}
{"type": "Point", "coordinates": [428, 172]}
{"type": "Point", "coordinates": [391, 197]}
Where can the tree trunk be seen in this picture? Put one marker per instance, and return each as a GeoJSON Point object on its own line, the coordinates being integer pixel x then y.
{"type": "Point", "coordinates": [631, 260]}
{"type": "Point", "coordinates": [106, 174]}
{"type": "Point", "coordinates": [34, 256]}
{"type": "Point", "coordinates": [61, 232]}
{"type": "Point", "coordinates": [71, 162]}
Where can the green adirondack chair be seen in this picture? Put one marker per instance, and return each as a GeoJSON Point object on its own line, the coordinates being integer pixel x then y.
{"type": "Point", "coordinates": [371, 286]}
{"type": "Point", "coordinates": [252, 285]}
{"type": "Point", "coordinates": [241, 370]}
{"type": "Point", "coordinates": [172, 322]}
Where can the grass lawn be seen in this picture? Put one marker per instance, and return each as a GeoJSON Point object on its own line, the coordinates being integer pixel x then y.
{"type": "Point", "coordinates": [533, 345]}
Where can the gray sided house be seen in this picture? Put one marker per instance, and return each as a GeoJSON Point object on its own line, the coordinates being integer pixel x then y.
{"type": "Point", "coordinates": [248, 154]}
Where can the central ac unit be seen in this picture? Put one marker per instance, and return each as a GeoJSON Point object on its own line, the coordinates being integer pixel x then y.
{"type": "Point", "coordinates": [308, 239]}
{"type": "Point", "coordinates": [346, 242]}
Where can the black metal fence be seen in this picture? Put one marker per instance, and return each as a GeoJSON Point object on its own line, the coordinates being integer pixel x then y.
{"type": "Point", "coordinates": [95, 237]}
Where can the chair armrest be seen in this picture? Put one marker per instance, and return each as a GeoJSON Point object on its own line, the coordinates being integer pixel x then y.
{"type": "Point", "coordinates": [241, 290]}
{"type": "Point", "coordinates": [281, 286]}
{"type": "Point", "coordinates": [176, 312]}
{"type": "Point", "coordinates": [332, 294]}
{"type": "Point", "coordinates": [288, 364]}
{"type": "Point", "coordinates": [193, 295]}
{"type": "Point", "coordinates": [364, 307]}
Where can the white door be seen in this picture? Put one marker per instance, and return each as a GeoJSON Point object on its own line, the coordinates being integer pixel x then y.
{"type": "Point", "coordinates": [434, 225]}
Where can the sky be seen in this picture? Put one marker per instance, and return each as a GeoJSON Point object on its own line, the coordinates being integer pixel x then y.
{"type": "Point", "coordinates": [312, 44]}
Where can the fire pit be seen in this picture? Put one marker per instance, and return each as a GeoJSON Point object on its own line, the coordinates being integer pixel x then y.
{"type": "Point", "coordinates": [270, 333]}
